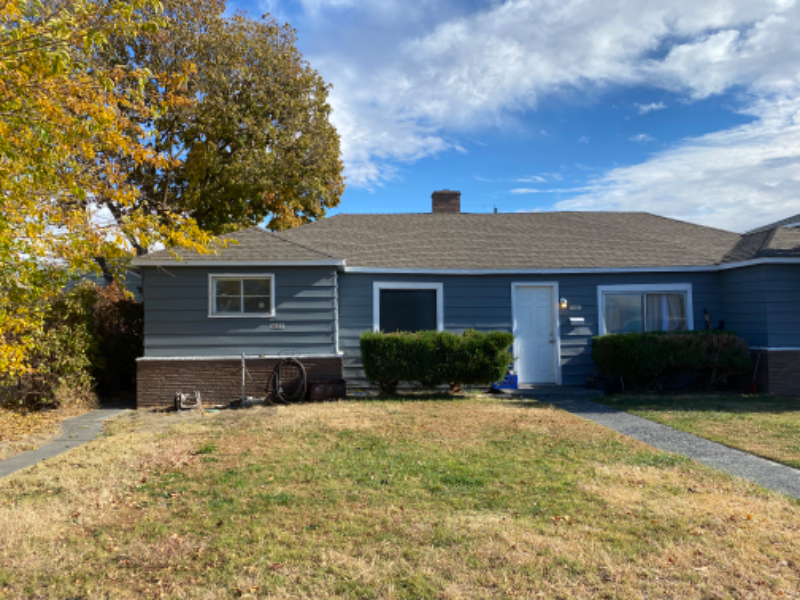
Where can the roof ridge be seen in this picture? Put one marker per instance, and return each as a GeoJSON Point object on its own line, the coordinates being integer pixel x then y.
{"type": "Point", "coordinates": [518, 214]}
{"type": "Point", "coordinates": [489, 214]}
{"type": "Point", "coordinates": [776, 224]}
{"type": "Point", "coordinates": [690, 223]}
{"type": "Point", "coordinates": [741, 243]}
{"type": "Point", "coordinates": [768, 239]}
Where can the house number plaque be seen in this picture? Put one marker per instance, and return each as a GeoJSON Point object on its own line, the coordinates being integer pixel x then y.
{"type": "Point", "coordinates": [276, 325]}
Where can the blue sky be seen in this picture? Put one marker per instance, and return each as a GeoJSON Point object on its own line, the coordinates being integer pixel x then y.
{"type": "Point", "coordinates": [681, 108]}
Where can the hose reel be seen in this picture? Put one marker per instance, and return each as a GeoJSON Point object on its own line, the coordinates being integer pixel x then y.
{"type": "Point", "coordinates": [289, 380]}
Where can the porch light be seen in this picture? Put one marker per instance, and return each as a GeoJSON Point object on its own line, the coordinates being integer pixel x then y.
{"type": "Point", "coordinates": [563, 303]}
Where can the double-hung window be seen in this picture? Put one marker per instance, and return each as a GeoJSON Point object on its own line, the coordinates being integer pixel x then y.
{"type": "Point", "coordinates": [640, 308]}
{"type": "Point", "coordinates": [403, 306]}
{"type": "Point", "coordinates": [241, 295]}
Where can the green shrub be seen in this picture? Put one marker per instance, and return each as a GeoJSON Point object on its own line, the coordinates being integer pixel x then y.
{"type": "Point", "coordinates": [432, 358]}
{"type": "Point", "coordinates": [643, 359]}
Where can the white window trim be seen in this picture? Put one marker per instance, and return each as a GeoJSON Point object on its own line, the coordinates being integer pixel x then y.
{"type": "Point", "coordinates": [212, 277]}
{"type": "Point", "coordinates": [658, 288]}
{"type": "Point", "coordinates": [377, 286]}
{"type": "Point", "coordinates": [556, 321]}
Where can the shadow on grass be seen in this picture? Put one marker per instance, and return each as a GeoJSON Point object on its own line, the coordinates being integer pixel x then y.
{"type": "Point", "coordinates": [421, 396]}
{"type": "Point", "coordinates": [525, 402]}
{"type": "Point", "coordinates": [730, 402]}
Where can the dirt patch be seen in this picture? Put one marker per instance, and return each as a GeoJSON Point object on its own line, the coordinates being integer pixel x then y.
{"type": "Point", "coordinates": [155, 421]}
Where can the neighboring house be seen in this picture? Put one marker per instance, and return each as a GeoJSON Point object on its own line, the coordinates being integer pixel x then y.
{"type": "Point", "coordinates": [128, 278]}
{"type": "Point", "coordinates": [553, 279]}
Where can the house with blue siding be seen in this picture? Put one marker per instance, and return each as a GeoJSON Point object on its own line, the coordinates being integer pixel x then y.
{"type": "Point", "coordinates": [219, 322]}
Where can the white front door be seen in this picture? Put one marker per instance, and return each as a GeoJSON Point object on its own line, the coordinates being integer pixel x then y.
{"type": "Point", "coordinates": [535, 334]}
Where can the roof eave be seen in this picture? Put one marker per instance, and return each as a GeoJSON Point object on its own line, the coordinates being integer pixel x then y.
{"type": "Point", "coordinates": [143, 261]}
{"type": "Point", "coordinates": [709, 268]}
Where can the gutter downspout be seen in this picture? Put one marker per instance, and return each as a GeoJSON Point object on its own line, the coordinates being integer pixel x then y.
{"type": "Point", "coordinates": [336, 310]}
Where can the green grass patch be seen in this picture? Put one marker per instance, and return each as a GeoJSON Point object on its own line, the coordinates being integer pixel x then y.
{"type": "Point", "coordinates": [762, 424]}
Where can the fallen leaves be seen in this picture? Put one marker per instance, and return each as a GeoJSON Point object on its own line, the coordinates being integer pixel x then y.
{"type": "Point", "coordinates": [17, 425]}
{"type": "Point", "coordinates": [21, 431]}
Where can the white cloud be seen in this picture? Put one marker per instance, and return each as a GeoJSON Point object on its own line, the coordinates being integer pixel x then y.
{"type": "Point", "coordinates": [646, 108]}
{"type": "Point", "coordinates": [372, 144]}
{"type": "Point", "coordinates": [584, 139]}
{"type": "Point", "coordinates": [641, 137]}
{"type": "Point", "coordinates": [735, 179]}
{"type": "Point", "coordinates": [475, 70]}
{"type": "Point", "coordinates": [551, 191]}
{"type": "Point", "coordinates": [532, 179]}
{"type": "Point", "coordinates": [409, 77]}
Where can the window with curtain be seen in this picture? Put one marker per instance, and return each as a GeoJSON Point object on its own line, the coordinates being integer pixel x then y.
{"type": "Point", "coordinates": [627, 312]}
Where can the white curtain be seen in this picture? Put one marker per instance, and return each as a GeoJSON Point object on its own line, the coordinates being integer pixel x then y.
{"type": "Point", "coordinates": [665, 312]}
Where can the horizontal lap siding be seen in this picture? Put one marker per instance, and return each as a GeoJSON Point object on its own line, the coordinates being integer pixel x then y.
{"type": "Point", "coordinates": [762, 304]}
{"type": "Point", "coordinates": [177, 321]}
{"type": "Point", "coordinates": [484, 303]}
{"type": "Point", "coordinates": [782, 289]}
{"type": "Point", "coordinates": [745, 310]}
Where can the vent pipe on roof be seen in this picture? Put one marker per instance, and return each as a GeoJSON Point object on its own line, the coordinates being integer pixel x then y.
{"type": "Point", "coordinates": [446, 201]}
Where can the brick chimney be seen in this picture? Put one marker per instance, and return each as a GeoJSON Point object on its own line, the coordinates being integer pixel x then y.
{"type": "Point", "coordinates": [446, 201]}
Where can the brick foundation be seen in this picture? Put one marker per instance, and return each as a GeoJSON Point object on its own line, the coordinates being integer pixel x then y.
{"type": "Point", "coordinates": [218, 380]}
{"type": "Point", "coordinates": [778, 371]}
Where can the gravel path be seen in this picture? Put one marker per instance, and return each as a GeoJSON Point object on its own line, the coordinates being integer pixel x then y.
{"type": "Point", "coordinates": [74, 432]}
{"type": "Point", "coordinates": [759, 470]}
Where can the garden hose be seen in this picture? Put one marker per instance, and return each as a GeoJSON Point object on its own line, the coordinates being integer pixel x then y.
{"type": "Point", "coordinates": [300, 391]}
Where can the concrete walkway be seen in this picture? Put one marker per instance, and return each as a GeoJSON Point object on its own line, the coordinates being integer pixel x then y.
{"type": "Point", "coordinates": [74, 432]}
{"type": "Point", "coordinates": [765, 473]}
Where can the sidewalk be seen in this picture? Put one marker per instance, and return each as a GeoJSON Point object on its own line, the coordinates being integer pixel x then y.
{"type": "Point", "coordinates": [75, 432]}
{"type": "Point", "coordinates": [765, 473]}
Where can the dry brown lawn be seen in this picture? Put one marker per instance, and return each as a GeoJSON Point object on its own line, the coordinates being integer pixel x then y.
{"type": "Point", "coordinates": [467, 498]}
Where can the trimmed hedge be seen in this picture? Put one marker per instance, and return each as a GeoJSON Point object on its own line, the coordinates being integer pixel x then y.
{"type": "Point", "coordinates": [643, 359]}
{"type": "Point", "coordinates": [431, 358]}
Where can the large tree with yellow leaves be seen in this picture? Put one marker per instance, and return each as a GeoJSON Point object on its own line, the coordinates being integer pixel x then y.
{"type": "Point", "coordinates": [71, 128]}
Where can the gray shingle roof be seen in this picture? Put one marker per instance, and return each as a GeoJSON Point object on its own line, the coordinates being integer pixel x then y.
{"type": "Point", "coordinates": [556, 240]}
{"type": "Point", "coordinates": [766, 243]}
{"type": "Point", "coordinates": [514, 240]}
{"type": "Point", "coordinates": [782, 223]}
{"type": "Point", "coordinates": [254, 244]}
